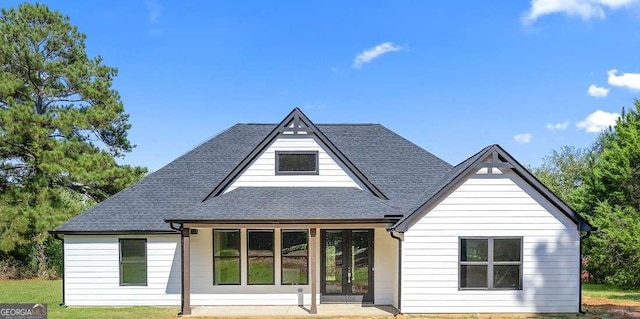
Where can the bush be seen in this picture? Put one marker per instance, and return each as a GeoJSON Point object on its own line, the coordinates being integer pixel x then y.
{"type": "Point", "coordinates": [614, 250]}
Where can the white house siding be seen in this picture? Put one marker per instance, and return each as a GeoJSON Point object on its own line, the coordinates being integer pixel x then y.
{"type": "Point", "coordinates": [203, 292]}
{"type": "Point", "coordinates": [261, 173]}
{"type": "Point", "coordinates": [505, 206]}
{"type": "Point", "coordinates": [92, 275]}
{"type": "Point", "coordinates": [386, 268]}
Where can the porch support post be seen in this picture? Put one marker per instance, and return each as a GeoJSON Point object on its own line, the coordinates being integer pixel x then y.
{"type": "Point", "coordinates": [186, 271]}
{"type": "Point", "coordinates": [312, 266]}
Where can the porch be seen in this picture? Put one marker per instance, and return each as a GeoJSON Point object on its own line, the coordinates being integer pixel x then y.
{"type": "Point", "coordinates": [294, 270]}
{"type": "Point", "coordinates": [333, 310]}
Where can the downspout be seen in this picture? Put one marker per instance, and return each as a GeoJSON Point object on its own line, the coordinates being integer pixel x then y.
{"type": "Point", "coordinates": [582, 237]}
{"type": "Point", "coordinates": [57, 236]}
{"type": "Point", "coordinates": [399, 238]}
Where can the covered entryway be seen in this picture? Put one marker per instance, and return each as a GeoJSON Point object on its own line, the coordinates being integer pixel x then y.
{"type": "Point", "coordinates": [346, 270]}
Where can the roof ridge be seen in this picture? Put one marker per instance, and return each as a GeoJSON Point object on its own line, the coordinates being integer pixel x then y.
{"type": "Point", "coordinates": [319, 124]}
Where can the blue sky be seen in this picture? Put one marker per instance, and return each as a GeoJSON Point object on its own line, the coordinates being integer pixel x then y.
{"type": "Point", "coordinates": [451, 76]}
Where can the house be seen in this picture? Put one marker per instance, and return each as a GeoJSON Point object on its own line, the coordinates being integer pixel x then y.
{"type": "Point", "coordinates": [302, 213]}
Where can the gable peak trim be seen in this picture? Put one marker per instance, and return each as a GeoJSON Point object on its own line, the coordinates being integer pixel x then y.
{"type": "Point", "coordinates": [499, 157]}
{"type": "Point", "coordinates": [296, 123]}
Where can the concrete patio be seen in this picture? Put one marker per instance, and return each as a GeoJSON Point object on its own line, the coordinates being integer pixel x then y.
{"type": "Point", "coordinates": [324, 310]}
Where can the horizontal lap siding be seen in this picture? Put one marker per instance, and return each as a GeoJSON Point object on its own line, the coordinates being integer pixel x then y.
{"type": "Point", "coordinates": [385, 268]}
{"type": "Point", "coordinates": [491, 207]}
{"type": "Point", "coordinates": [92, 272]}
{"type": "Point", "coordinates": [261, 173]}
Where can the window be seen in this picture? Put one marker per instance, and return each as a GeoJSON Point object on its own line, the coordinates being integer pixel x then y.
{"type": "Point", "coordinates": [226, 257]}
{"type": "Point", "coordinates": [295, 257]}
{"type": "Point", "coordinates": [260, 257]}
{"type": "Point", "coordinates": [490, 263]}
{"type": "Point", "coordinates": [297, 163]}
{"type": "Point", "coordinates": [133, 262]}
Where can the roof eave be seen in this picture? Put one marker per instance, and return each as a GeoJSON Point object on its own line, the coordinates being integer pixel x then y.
{"type": "Point", "coordinates": [112, 232]}
{"type": "Point", "coordinates": [284, 221]}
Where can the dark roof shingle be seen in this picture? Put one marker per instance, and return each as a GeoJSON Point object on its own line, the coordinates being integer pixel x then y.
{"type": "Point", "coordinates": [399, 168]}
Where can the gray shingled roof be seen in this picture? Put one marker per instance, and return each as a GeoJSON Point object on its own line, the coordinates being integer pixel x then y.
{"type": "Point", "coordinates": [294, 203]}
{"type": "Point", "coordinates": [399, 168]}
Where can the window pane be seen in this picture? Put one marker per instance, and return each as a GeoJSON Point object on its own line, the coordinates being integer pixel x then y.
{"type": "Point", "coordinates": [134, 273]}
{"type": "Point", "coordinates": [226, 242]}
{"type": "Point", "coordinates": [294, 257]}
{"type": "Point", "coordinates": [294, 243]}
{"type": "Point", "coordinates": [473, 276]}
{"type": "Point", "coordinates": [260, 270]}
{"type": "Point", "coordinates": [294, 270]}
{"type": "Point", "coordinates": [260, 252]}
{"type": "Point", "coordinates": [333, 262]}
{"type": "Point", "coordinates": [506, 249]}
{"type": "Point", "coordinates": [297, 162]}
{"type": "Point", "coordinates": [227, 270]}
{"type": "Point", "coordinates": [474, 249]}
{"type": "Point", "coordinates": [506, 276]}
{"type": "Point", "coordinates": [133, 250]}
{"type": "Point", "coordinates": [260, 243]}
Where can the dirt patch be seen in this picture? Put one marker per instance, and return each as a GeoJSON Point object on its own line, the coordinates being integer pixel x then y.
{"type": "Point", "coordinates": [605, 308]}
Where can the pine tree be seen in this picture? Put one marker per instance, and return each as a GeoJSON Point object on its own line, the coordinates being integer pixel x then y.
{"type": "Point", "coordinates": [62, 126]}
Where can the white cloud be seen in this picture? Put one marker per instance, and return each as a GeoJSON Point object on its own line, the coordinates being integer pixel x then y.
{"type": "Point", "coordinates": [598, 121]}
{"type": "Point", "coordinates": [584, 9]}
{"type": "Point", "coordinates": [523, 138]}
{"type": "Point", "coordinates": [558, 126]}
{"type": "Point", "coordinates": [598, 91]}
{"type": "Point", "coordinates": [373, 53]}
{"type": "Point", "coordinates": [628, 80]}
{"type": "Point", "coordinates": [154, 10]}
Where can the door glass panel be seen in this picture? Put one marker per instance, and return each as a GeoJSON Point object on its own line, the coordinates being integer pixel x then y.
{"type": "Point", "coordinates": [359, 262]}
{"type": "Point", "coordinates": [333, 259]}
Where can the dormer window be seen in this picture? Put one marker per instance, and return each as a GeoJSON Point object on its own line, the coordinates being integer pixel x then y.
{"type": "Point", "coordinates": [296, 163]}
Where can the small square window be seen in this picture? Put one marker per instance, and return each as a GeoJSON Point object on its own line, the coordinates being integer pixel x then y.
{"type": "Point", "coordinates": [297, 163]}
{"type": "Point", "coordinates": [490, 263]}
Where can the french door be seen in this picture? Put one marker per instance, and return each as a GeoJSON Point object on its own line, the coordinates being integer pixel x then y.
{"type": "Point", "coordinates": [347, 266]}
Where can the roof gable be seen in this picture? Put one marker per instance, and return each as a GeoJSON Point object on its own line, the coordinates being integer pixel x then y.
{"type": "Point", "coordinates": [490, 157]}
{"type": "Point", "coordinates": [295, 124]}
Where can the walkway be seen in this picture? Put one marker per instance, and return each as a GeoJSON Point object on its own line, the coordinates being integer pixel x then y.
{"type": "Point", "coordinates": [324, 310]}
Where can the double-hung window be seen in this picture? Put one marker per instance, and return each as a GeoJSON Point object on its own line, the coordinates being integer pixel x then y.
{"type": "Point", "coordinates": [226, 256]}
{"type": "Point", "coordinates": [133, 262]}
{"type": "Point", "coordinates": [260, 257]}
{"type": "Point", "coordinates": [490, 263]}
{"type": "Point", "coordinates": [295, 257]}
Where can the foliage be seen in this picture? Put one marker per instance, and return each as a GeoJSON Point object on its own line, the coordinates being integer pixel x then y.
{"type": "Point", "coordinates": [603, 184]}
{"type": "Point", "coordinates": [61, 128]}
{"type": "Point", "coordinates": [561, 171]}
{"type": "Point", "coordinates": [614, 250]}
{"type": "Point", "coordinates": [610, 197]}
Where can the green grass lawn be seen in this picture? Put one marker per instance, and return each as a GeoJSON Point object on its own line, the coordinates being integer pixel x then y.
{"type": "Point", "coordinates": [50, 292]}
{"type": "Point", "coordinates": [611, 293]}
